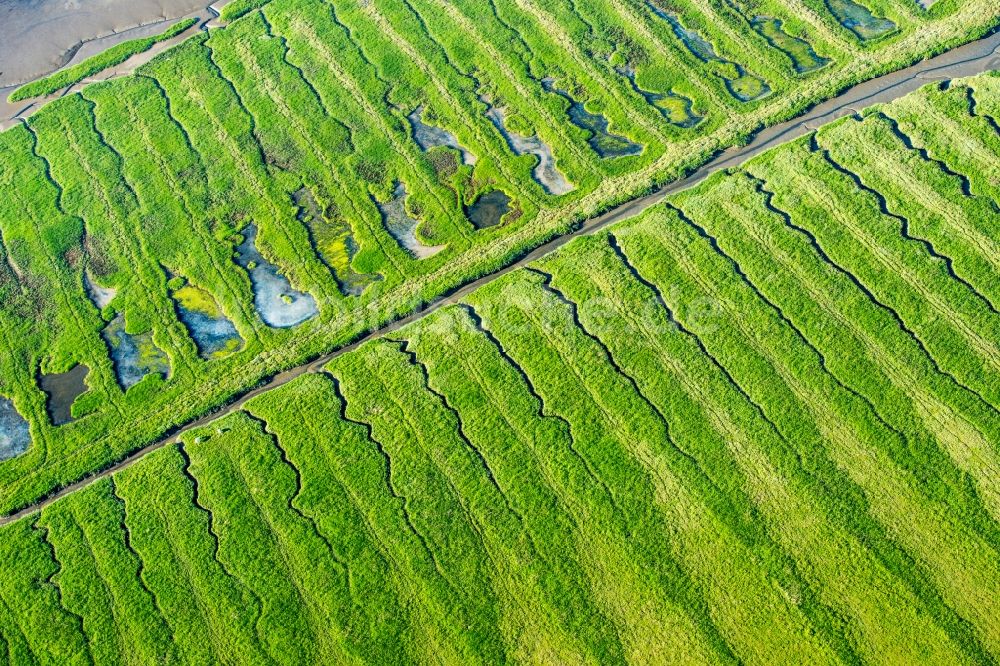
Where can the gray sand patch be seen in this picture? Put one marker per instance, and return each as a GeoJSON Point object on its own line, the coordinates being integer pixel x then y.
{"type": "Point", "coordinates": [40, 36]}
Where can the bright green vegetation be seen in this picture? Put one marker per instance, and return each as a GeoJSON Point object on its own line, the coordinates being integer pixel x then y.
{"type": "Point", "coordinates": [116, 55]}
{"type": "Point", "coordinates": [757, 424]}
{"type": "Point", "coordinates": [291, 123]}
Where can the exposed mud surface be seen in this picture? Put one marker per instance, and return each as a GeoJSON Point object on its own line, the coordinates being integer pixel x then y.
{"type": "Point", "coordinates": [40, 36]}
{"type": "Point", "coordinates": [401, 225]}
{"type": "Point", "coordinates": [545, 172]}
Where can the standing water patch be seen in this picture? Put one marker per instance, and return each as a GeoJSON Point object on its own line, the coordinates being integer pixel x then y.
{"type": "Point", "coordinates": [431, 136]}
{"type": "Point", "coordinates": [677, 109]}
{"type": "Point", "coordinates": [804, 58]}
{"type": "Point", "coordinates": [402, 227]}
{"type": "Point", "coordinates": [333, 240]}
{"type": "Point", "coordinates": [62, 390]}
{"type": "Point", "coordinates": [100, 296]}
{"type": "Point", "coordinates": [278, 304]}
{"type": "Point", "coordinates": [604, 143]}
{"type": "Point", "coordinates": [133, 356]}
{"type": "Point", "coordinates": [545, 172]}
{"type": "Point", "coordinates": [859, 19]}
{"type": "Point", "coordinates": [15, 435]}
{"type": "Point", "coordinates": [213, 333]}
{"type": "Point", "coordinates": [741, 84]}
{"type": "Point", "coordinates": [489, 209]}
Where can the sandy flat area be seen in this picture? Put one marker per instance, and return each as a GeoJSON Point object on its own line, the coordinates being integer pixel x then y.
{"type": "Point", "coordinates": [40, 36]}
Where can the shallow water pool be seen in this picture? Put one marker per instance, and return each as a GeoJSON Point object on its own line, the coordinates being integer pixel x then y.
{"type": "Point", "coordinates": [62, 390]}
{"type": "Point", "coordinates": [545, 172]}
{"type": "Point", "coordinates": [133, 356]}
{"type": "Point", "coordinates": [278, 305]}
{"type": "Point", "coordinates": [15, 435]}
{"type": "Point", "coordinates": [488, 210]}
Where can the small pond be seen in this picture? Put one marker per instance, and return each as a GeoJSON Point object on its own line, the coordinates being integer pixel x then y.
{"type": "Point", "coordinates": [402, 226]}
{"type": "Point", "coordinates": [488, 210]}
{"type": "Point", "coordinates": [133, 356]}
{"type": "Point", "coordinates": [545, 172]}
{"type": "Point", "coordinates": [859, 19]}
{"type": "Point", "coordinates": [15, 435]}
{"type": "Point", "coordinates": [804, 58]}
{"type": "Point", "coordinates": [677, 109]}
{"type": "Point", "coordinates": [213, 333]}
{"type": "Point", "coordinates": [278, 304]}
{"type": "Point", "coordinates": [432, 136]}
{"type": "Point", "coordinates": [604, 143]}
{"type": "Point", "coordinates": [741, 84]}
{"type": "Point", "coordinates": [62, 390]}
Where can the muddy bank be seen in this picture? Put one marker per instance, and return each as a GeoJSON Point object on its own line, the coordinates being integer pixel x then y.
{"type": "Point", "coordinates": [40, 36]}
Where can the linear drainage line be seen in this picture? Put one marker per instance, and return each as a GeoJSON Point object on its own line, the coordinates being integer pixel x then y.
{"type": "Point", "coordinates": [967, 60]}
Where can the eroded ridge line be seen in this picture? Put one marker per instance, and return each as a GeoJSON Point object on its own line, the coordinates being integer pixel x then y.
{"type": "Point", "coordinates": [480, 325]}
{"type": "Point", "coordinates": [44, 534]}
{"type": "Point", "coordinates": [890, 554]}
{"type": "Point", "coordinates": [768, 196]}
{"type": "Point", "coordinates": [672, 316]}
{"type": "Point", "coordinates": [970, 94]}
{"type": "Point", "coordinates": [896, 317]}
{"type": "Point", "coordinates": [719, 496]}
{"type": "Point", "coordinates": [273, 437]}
{"type": "Point", "coordinates": [413, 360]}
{"type": "Point", "coordinates": [140, 565]}
{"type": "Point", "coordinates": [387, 476]}
{"type": "Point", "coordinates": [903, 221]}
{"type": "Point", "coordinates": [964, 182]}
{"type": "Point", "coordinates": [213, 534]}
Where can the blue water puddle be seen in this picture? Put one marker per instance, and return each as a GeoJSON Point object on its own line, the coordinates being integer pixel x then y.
{"type": "Point", "coordinates": [545, 172]}
{"type": "Point", "coordinates": [604, 143]}
{"type": "Point", "coordinates": [431, 136]}
{"type": "Point", "coordinates": [402, 226]}
{"type": "Point", "coordinates": [742, 85]}
{"type": "Point", "coordinates": [133, 356]}
{"type": "Point", "coordinates": [859, 19]}
{"type": "Point", "coordinates": [15, 434]}
{"type": "Point", "coordinates": [278, 304]}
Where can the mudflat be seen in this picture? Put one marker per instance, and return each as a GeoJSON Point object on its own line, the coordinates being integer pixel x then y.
{"type": "Point", "coordinates": [40, 36]}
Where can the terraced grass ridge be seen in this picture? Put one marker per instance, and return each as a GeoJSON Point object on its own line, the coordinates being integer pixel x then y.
{"type": "Point", "coordinates": [758, 424]}
{"type": "Point", "coordinates": [268, 191]}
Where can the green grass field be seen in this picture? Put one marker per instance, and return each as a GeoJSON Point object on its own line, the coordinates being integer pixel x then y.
{"type": "Point", "coordinates": [758, 424]}
{"type": "Point", "coordinates": [292, 123]}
